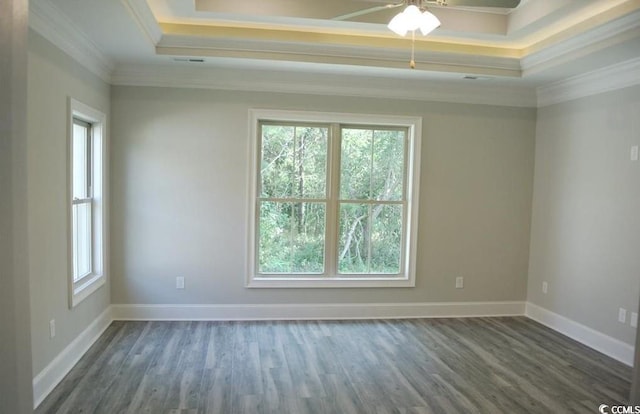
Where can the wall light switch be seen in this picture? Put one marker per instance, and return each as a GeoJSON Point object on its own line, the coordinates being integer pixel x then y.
{"type": "Point", "coordinates": [459, 282]}
{"type": "Point", "coordinates": [545, 287]}
{"type": "Point", "coordinates": [622, 315]}
{"type": "Point", "coordinates": [634, 319]}
{"type": "Point", "coordinates": [179, 282]}
{"type": "Point", "coordinates": [634, 153]}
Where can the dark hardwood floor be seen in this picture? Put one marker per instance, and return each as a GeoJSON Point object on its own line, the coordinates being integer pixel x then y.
{"type": "Point", "coordinates": [483, 365]}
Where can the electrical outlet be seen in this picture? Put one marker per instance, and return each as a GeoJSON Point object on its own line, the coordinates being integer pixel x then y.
{"type": "Point", "coordinates": [545, 287]}
{"type": "Point", "coordinates": [634, 153]}
{"type": "Point", "coordinates": [179, 282]}
{"type": "Point", "coordinates": [52, 328]}
{"type": "Point", "coordinates": [459, 282]}
{"type": "Point", "coordinates": [622, 315]}
{"type": "Point", "coordinates": [634, 319]}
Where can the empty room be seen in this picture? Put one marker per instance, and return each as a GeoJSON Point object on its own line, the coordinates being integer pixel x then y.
{"type": "Point", "coordinates": [319, 206]}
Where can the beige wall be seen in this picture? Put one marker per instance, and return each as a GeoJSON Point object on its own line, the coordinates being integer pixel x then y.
{"type": "Point", "coordinates": [15, 351]}
{"type": "Point", "coordinates": [585, 234]}
{"type": "Point", "coordinates": [179, 198]}
{"type": "Point", "coordinates": [53, 78]}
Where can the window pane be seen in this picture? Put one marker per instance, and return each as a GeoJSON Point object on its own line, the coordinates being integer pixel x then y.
{"type": "Point", "coordinates": [294, 161]}
{"type": "Point", "coordinates": [353, 249]}
{"type": "Point", "coordinates": [291, 237]}
{"type": "Point", "coordinates": [80, 161]}
{"type": "Point", "coordinates": [372, 164]}
{"type": "Point", "coordinates": [355, 164]}
{"type": "Point", "coordinates": [308, 238]}
{"type": "Point", "coordinates": [387, 175]}
{"type": "Point", "coordinates": [81, 240]}
{"type": "Point", "coordinates": [277, 161]}
{"type": "Point", "coordinates": [370, 238]}
{"type": "Point", "coordinates": [386, 239]}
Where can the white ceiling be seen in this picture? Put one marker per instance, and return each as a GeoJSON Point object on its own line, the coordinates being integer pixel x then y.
{"type": "Point", "coordinates": [537, 43]}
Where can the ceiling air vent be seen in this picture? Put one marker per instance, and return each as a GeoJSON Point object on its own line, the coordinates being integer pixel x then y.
{"type": "Point", "coordinates": [188, 60]}
{"type": "Point", "coordinates": [474, 77]}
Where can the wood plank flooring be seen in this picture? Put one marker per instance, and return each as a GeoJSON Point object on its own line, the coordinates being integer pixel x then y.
{"type": "Point", "coordinates": [480, 365]}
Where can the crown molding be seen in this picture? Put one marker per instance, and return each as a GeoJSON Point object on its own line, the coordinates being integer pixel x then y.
{"type": "Point", "coordinates": [342, 54]}
{"type": "Point", "coordinates": [238, 79]}
{"type": "Point", "coordinates": [611, 33]}
{"type": "Point", "coordinates": [144, 18]}
{"type": "Point", "coordinates": [47, 20]}
{"type": "Point", "coordinates": [618, 76]}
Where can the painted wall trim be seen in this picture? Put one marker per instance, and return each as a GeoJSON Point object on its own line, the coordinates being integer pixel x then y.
{"type": "Point", "coordinates": [52, 374]}
{"type": "Point", "coordinates": [238, 79]}
{"type": "Point", "coordinates": [316, 311]}
{"type": "Point", "coordinates": [505, 64]}
{"type": "Point", "coordinates": [607, 35]}
{"type": "Point", "coordinates": [618, 76]}
{"type": "Point", "coordinates": [609, 346]}
{"type": "Point", "coordinates": [47, 20]}
{"type": "Point", "coordinates": [142, 14]}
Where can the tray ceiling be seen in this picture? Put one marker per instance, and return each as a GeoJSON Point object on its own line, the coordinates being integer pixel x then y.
{"type": "Point", "coordinates": [539, 42]}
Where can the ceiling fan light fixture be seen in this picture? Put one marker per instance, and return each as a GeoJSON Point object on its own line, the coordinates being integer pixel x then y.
{"type": "Point", "coordinates": [398, 24]}
{"type": "Point", "coordinates": [413, 17]}
{"type": "Point", "coordinates": [428, 22]}
{"type": "Point", "coordinates": [410, 19]}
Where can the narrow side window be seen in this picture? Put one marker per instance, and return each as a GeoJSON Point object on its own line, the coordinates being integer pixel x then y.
{"type": "Point", "coordinates": [86, 198]}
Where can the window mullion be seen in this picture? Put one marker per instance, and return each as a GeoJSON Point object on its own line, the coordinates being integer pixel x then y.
{"type": "Point", "coordinates": [333, 193]}
{"type": "Point", "coordinates": [292, 219]}
{"type": "Point", "coordinates": [369, 224]}
{"type": "Point", "coordinates": [369, 227]}
{"type": "Point", "coordinates": [89, 160]}
{"type": "Point", "coordinates": [406, 193]}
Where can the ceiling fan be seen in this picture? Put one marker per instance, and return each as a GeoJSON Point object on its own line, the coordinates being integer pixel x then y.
{"type": "Point", "coordinates": [416, 16]}
{"type": "Point", "coordinates": [508, 4]}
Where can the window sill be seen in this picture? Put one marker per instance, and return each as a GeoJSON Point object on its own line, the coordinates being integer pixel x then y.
{"type": "Point", "coordinates": [83, 290]}
{"type": "Point", "coordinates": [326, 282]}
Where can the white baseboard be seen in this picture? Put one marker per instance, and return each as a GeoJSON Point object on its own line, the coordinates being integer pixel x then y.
{"type": "Point", "coordinates": [612, 347]}
{"type": "Point", "coordinates": [316, 311]}
{"type": "Point", "coordinates": [53, 373]}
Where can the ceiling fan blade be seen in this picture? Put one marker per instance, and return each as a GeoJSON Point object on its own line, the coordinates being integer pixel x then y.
{"type": "Point", "coordinates": [367, 11]}
{"type": "Point", "coordinates": [508, 4]}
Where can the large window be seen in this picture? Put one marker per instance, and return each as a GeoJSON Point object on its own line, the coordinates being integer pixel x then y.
{"type": "Point", "coordinates": [86, 201]}
{"type": "Point", "coordinates": [334, 200]}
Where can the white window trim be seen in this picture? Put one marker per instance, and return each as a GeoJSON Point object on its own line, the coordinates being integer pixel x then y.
{"type": "Point", "coordinates": [83, 288]}
{"type": "Point", "coordinates": [414, 126]}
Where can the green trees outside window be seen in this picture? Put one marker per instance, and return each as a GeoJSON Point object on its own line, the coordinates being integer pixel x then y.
{"type": "Point", "coordinates": [331, 198]}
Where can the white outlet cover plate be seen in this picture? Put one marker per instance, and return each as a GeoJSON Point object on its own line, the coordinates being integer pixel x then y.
{"type": "Point", "coordinates": [622, 315]}
{"type": "Point", "coordinates": [634, 319]}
